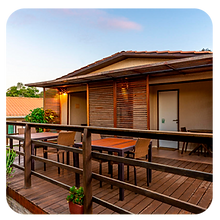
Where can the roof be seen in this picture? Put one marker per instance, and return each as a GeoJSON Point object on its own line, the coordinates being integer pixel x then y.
{"type": "Point", "coordinates": [133, 54]}
{"type": "Point", "coordinates": [21, 106]}
{"type": "Point", "coordinates": [185, 65]}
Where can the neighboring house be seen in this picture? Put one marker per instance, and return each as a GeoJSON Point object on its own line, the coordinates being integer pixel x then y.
{"type": "Point", "coordinates": [18, 107]}
{"type": "Point", "coordinates": [159, 90]}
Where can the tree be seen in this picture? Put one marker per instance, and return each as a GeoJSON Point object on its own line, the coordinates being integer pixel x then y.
{"type": "Point", "coordinates": [206, 49]}
{"type": "Point", "coordinates": [21, 91]}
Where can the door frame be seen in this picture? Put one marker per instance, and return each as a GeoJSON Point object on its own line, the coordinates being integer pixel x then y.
{"type": "Point", "coordinates": [178, 122]}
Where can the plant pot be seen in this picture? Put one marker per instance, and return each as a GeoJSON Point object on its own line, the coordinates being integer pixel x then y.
{"type": "Point", "coordinates": [75, 209]}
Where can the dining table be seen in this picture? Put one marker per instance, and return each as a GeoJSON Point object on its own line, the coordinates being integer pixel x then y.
{"type": "Point", "coordinates": [119, 146]}
{"type": "Point", "coordinates": [201, 145]}
{"type": "Point", "coordinates": [34, 136]}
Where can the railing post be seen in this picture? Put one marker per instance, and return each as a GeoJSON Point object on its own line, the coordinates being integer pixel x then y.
{"type": "Point", "coordinates": [27, 158]}
{"type": "Point", "coordinates": [87, 172]}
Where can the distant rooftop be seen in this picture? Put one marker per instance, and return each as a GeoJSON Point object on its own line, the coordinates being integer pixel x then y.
{"type": "Point", "coordinates": [21, 106]}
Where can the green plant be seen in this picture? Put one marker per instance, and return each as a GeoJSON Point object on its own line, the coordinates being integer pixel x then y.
{"type": "Point", "coordinates": [10, 156]}
{"type": "Point", "coordinates": [76, 195]}
{"type": "Point", "coordinates": [36, 116]}
{"type": "Point", "coordinates": [51, 116]}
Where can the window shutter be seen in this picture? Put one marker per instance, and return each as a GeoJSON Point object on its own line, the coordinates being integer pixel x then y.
{"type": "Point", "coordinates": [101, 109]}
{"type": "Point", "coordinates": [131, 103]}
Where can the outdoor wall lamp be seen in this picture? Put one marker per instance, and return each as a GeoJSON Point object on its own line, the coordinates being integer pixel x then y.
{"type": "Point", "coordinates": [62, 91]}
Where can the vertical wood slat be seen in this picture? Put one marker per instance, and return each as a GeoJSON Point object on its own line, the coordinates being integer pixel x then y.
{"type": "Point", "coordinates": [87, 171]}
{"type": "Point", "coordinates": [87, 99]}
{"type": "Point", "coordinates": [131, 103]}
{"type": "Point", "coordinates": [27, 158]}
{"type": "Point", "coordinates": [101, 104]}
{"type": "Point", "coordinates": [148, 101]}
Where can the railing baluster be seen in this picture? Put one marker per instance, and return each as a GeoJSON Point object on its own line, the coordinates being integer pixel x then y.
{"type": "Point", "coordinates": [27, 159]}
{"type": "Point", "coordinates": [87, 171]}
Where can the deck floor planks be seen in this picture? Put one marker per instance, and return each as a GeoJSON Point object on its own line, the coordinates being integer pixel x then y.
{"type": "Point", "coordinates": [162, 182]}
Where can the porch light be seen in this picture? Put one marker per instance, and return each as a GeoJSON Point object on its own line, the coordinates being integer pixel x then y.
{"type": "Point", "coordinates": [62, 91]}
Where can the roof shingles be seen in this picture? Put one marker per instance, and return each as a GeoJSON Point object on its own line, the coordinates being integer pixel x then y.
{"type": "Point", "coordinates": [21, 106]}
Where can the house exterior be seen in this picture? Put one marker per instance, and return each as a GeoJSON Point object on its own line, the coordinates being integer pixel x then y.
{"type": "Point", "coordinates": [15, 109]}
{"type": "Point", "coordinates": [156, 90]}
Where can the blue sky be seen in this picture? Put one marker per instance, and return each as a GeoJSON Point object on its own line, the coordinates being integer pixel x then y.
{"type": "Point", "coordinates": [43, 44]}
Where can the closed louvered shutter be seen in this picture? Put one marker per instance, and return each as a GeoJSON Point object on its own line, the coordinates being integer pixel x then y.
{"type": "Point", "coordinates": [131, 103]}
{"type": "Point", "coordinates": [101, 109]}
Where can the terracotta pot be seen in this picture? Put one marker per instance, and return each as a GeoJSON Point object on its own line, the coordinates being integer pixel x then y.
{"type": "Point", "coordinates": [75, 209]}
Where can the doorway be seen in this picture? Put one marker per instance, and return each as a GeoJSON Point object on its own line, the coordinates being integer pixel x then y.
{"type": "Point", "coordinates": [78, 110]}
{"type": "Point", "coordinates": [168, 115]}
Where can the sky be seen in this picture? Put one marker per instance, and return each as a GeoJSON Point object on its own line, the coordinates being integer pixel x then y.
{"type": "Point", "coordinates": [44, 44]}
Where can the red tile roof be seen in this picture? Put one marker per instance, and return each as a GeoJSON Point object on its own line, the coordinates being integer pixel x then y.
{"type": "Point", "coordinates": [21, 106]}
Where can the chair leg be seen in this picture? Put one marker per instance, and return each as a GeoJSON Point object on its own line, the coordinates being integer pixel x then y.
{"type": "Point", "coordinates": [183, 147]}
{"type": "Point", "coordinates": [100, 172]}
{"type": "Point", "coordinates": [186, 146]}
{"type": "Point", "coordinates": [112, 175]}
{"type": "Point", "coordinates": [128, 172]}
{"type": "Point", "coordinates": [148, 176]}
{"type": "Point", "coordinates": [135, 176]}
{"type": "Point", "coordinates": [19, 157]}
{"type": "Point", "coordinates": [58, 160]}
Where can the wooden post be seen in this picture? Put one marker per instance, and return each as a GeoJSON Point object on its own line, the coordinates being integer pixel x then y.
{"type": "Point", "coordinates": [115, 103]}
{"type": "Point", "coordinates": [27, 159]}
{"type": "Point", "coordinates": [148, 102]}
{"type": "Point", "coordinates": [87, 171]}
{"type": "Point", "coordinates": [87, 103]}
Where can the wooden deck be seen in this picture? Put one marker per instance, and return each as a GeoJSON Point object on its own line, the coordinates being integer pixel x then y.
{"type": "Point", "coordinates": [44, 197]}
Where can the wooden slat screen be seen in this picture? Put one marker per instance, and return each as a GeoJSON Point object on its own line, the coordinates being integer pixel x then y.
{"type": "Point", "coordinates": [52, 100]}
{"type": "Point", "coordinates": [131, 103]}
{"type": "Point", "coordinates": [101, 107]}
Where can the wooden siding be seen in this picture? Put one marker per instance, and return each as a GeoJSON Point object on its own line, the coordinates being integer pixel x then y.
{"type": "Point", "coordinates": [101, 109]}
{"type": "Point", "coordinates": [121, 104]}
{"type": "Point", "coordinates": [131, 103]}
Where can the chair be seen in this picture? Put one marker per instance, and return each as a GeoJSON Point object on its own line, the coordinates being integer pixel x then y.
{"type": "Point", "coordinates": [183, 129]}
{"type": "Point", "coordinates": [140, 151]}
{"type": "Point", "coordinates": [65, 138]}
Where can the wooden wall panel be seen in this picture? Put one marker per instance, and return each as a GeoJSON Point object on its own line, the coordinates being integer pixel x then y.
{"type": "Point", "coordinates": [131, 103]}
{"type": "Point", "coordinates": [101, 107]}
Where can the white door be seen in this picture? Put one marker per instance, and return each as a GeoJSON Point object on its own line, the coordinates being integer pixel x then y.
{"type": "Point", "coordinates": [168, 115]}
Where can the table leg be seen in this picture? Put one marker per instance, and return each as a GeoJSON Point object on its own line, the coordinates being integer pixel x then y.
{"type": "Point", "coordinates": [76, 164]}
{"type": "Point", "coordinates": [121, 176]}
{"type": "Point", "coordinates": [150, 160]}
{"type": "Point", "coordinates": [11, 143]}
{"type": "Point", "coordinates": [45, 156]}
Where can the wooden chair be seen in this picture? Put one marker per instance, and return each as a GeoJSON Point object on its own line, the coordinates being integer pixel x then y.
{"type": "Point", "coordinates": [65, 138]}
{"type": "Point", "coordinates": [183, 129]}
{"type": "Point", "coordinates": [140, 153]}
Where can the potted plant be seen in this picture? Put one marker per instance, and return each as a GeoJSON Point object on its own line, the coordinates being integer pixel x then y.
{"type": "Point", "coordinates": [76, 200]}
{"type": "Point", "coordinates": [8, 159]}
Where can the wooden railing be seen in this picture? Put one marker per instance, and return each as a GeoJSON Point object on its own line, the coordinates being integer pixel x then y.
{"type": "Point", "coordinates": [88, 155]}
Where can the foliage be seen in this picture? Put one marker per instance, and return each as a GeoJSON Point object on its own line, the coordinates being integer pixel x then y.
{"type": "Point", "coordinates": [8, 159]}
{"type": "Point", "coordinates": [76, 195]}
{"type": "Point", "coordinates": [21, 91]}
{"type": "Point", "coordinates": [205, 49]}
{"type": "Point", "coordinates": [51, 116]}
{"type": "Point", "coordinates": [38, 115]}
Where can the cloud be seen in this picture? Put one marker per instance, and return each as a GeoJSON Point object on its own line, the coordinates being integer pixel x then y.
{"type": "Point", "coordinates": [102, 19]}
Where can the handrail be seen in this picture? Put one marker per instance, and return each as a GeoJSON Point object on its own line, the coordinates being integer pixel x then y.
{"type": "Point", "coordinates": [88, 155]}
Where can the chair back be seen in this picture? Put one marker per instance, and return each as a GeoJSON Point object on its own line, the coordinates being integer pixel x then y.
{"type": "Point", "coordinates": [141, 147]}
{"type": "Point", "coordinates": [183, 129]}
{"type": "Point", "coordinates": [66, 138]}
{"type": "Point", "coordinates": [21, 130]}
{"type": "Point", "coordinates": [95, 137]}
